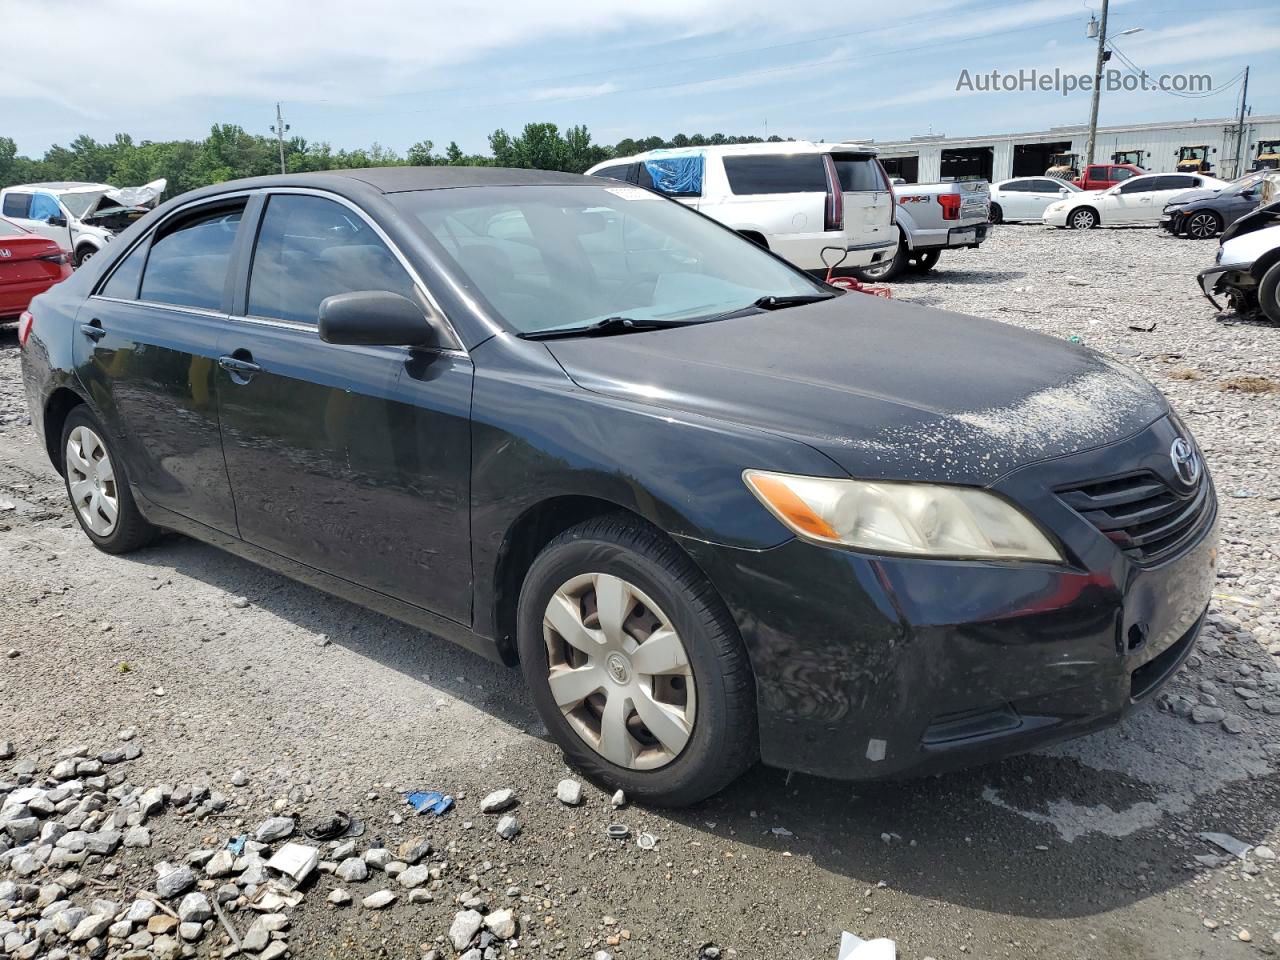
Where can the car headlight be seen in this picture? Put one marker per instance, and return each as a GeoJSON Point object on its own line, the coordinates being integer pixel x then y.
{"type": "Point", "coordinates": [892, 517]}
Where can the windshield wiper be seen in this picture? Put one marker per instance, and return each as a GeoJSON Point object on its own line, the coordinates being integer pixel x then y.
{"type": "Point", "coordinates": [771, 302]}
{"type": "Point", "coordinates": [607, 327]}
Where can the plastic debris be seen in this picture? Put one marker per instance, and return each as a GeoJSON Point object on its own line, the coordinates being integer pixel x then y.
{"type": "Point", "coordinates": [646, 841]}
{"type": "Point", "coordinates": [1228, 843]}
{"type": "Point", "coordinates": [618, 831]}
{"type": "Point", "coordinates": [429, 801]}
{"type": "Point", "coordinates": [855, 948]}
{"type": "Point", "coordinates": [236, 844]}
{"type": "Point", "coordinates": [781, 832]}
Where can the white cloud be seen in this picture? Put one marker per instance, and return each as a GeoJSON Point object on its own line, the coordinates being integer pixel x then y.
{"type": "Point", "coordinates": [581, 91]}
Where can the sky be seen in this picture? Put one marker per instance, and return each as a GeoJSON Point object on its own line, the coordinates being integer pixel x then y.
{"type": "Point", "coordinates": [398, 71]}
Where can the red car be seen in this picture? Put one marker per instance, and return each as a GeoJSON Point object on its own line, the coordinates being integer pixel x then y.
{"type": "Point", "coordinates": [29, 265]}
{"type": "Point", "coordinates": [1101, 176]}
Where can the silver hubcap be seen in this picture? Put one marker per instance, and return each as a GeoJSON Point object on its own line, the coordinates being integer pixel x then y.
{"type": "Point", "coordinates": [1083, 221]}
{"type": "Point", "coordinates": [619, 671]}
{"type": "Point", "coordinates": [1203, 226]}
{"type": "Point", "coordinates": [92, 481]}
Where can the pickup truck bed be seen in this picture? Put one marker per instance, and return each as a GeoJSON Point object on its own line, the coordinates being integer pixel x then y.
{"type": "Point", "coordinates": [932, 217]}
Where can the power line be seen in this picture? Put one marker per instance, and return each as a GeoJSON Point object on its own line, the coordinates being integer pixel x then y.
{"type": "Point", "coordinates": [1137, 70]}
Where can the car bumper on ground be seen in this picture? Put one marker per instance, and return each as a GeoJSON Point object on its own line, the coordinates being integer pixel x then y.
{"type": "Point", "coordinates": [872, 667]}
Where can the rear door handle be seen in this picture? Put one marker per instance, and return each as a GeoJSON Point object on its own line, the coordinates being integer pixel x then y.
{"type": "Point", "coordinates": [93, 331]}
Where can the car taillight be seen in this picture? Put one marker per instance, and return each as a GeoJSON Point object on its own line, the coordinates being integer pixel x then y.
{"type": "Point", "coordinates": [60, 257]}
{"type": "Point", "coordinates": [833, 218]}
{"type": "Point", "coordinates": [950, 205]}
{"type": "Point", "coordinates": [24, 328]}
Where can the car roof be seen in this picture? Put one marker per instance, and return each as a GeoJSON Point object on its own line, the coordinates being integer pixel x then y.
{"type": "Point", "coordinates": [404, 179]}
{"type": "Point", "coordinates": [64, 186]}
{"type": "Point", "coordinates": [782, 147]}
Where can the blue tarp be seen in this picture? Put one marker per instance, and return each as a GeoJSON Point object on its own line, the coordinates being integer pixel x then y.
{"type": "Point", "coordinates": [676, 174]}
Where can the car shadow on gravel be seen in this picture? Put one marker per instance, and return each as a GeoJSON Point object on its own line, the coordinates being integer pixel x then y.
{"type": "Point", "coordinates": [1040, 835]}
{"type": "Point", "coordinates": [432, 661]}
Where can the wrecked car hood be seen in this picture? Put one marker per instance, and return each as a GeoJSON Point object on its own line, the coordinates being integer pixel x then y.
{"type": "Point", "coordinates": [110, 199]}
{"type": "Point", "coordinates": [886, 389]}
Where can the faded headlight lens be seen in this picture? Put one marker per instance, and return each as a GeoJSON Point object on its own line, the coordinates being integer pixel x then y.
{"type": "Point", "coordinates": [912, 518]}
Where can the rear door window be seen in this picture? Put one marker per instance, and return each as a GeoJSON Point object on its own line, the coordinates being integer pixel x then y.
{"type": "Point", "coordinates": [1176, 182]}
{"type": "Point", "coordinates": [619, 171]}
{"type": "Point", "coordinates": [189, 256]}
{"type": "Point", "coordinates": [16, 205]}
{"type": "Point", "coordinates": [857, 172]}
{"type": "Point", "coordinates": [776, 173]}
{"type": "Point", "coordinates": [310, 248]}
{"type": "Point", "coordinates": [123, 282]}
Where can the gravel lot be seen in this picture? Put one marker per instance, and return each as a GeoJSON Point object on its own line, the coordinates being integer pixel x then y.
{"type": "Point", "coordinates": [1088, 850]}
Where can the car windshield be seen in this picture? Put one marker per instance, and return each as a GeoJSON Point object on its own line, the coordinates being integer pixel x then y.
{"type": "Point", "coordinates": [548, 257]}
{"type": "Point", "coordinates": [1241, 184]}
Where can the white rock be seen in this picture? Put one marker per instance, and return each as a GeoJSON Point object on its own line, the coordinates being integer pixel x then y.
{"type": "Point", "coordinates": [466, 924]}
{"type": "Point", "coordinates": [338, 897]}
{"type": "Point", "coordinates": [379, 900]}
{"type": "Point", "coordinates": [273, 829]}
{"type": "Point", "coordinates": [508, 827]}
{"type": "Point", "coordinates": [194, 908]}
{"type": "Point", "coordinates": [569, 792]}
{"type": "Point", "coordinates": [498, 801]}
{"type": "Point", "coordinates": [501, 923]}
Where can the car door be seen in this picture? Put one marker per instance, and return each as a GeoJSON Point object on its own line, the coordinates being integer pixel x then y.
{"type": "Point", "coordinates": [1037, 195]}
{"type": "Point", "coordinates": [354, 460]}
{"type": "Point", "coordinates": [1130, 202]}
{"type": "Point", "coordinates": [146, 348]}
{"type": "Point", "coordinates": [48, 219]}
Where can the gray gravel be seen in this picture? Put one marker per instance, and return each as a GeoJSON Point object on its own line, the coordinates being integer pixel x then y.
{"type": "Point", "coordinates": [217, 675]}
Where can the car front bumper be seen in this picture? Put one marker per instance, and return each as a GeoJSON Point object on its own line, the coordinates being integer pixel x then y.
{"type": "Point", "coordinates": [1055, 218]}
{"type": "Point", "coordinates": [874, 667]}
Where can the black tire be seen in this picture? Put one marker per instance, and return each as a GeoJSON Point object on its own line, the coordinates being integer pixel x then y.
{"type": "Point", "coordinates": [995, 215]}
{"type": "Point", "coordinates": [1082, 218]}
{"type": "Point", "coordinates": [1269, 293]}
{"type": "Point", "coordinates": [131, 531]}
{"type": "Point", "coordinates": [723, 742]}
{"type": "Point", "coordinates": [924, 262]}
{"type": "Point", "coordinates": [885, 270]}
{"type": "Point", "coordinates": [1202, 225]}
{"type": "Point", "coordinates": [81, 255]}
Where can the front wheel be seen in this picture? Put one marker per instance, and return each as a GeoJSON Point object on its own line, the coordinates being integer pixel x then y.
{"type": "Point", "coordinates": [1082, 219]}
{"type": "Point", "coordinates": [635, 664]}
{"type": "Point", "coordinates": [99, 487]}
{"type": "Point", "coordinates": [1269, 293]}
{"type": "Point", "coordinates": [82, 255]}
{"type": "Point", "coordinates": [1203, 225]}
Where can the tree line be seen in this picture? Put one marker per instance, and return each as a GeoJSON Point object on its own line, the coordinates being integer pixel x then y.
{"type": "Point", "coordinates": [229, 152]}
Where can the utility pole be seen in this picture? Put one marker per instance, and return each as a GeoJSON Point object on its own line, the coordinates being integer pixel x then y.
{"type": "Point", "coordinates": [280, 129]}
{"type": "Point", "coordinates": [1240, 137]}
{"type": "Point", "coordinates": [1097, 86]}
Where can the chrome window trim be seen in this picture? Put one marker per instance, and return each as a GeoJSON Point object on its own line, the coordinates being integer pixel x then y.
{"type": "Point", "coordinates": [409, 268]}
{"type": "Point", "coordinates": [160, 305]}
{"type": "Point", "coordinates": [312, 330]}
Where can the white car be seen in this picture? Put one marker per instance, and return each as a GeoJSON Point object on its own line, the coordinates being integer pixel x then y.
{"type": "Point", "coordinates": [796, 198]}
{"type": "Point", "coordinates": [1137, 200]}
{"type": "Point", "coordinates": [82, 217]}
{"type": "Point", "coordinates": [1026, 198]}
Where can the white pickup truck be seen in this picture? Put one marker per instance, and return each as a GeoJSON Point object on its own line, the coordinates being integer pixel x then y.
{"type": "Point", "coordinates": [933, 217]}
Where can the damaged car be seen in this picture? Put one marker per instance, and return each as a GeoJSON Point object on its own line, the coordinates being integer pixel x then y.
{"type": "Point", "coordinates": [717, 511]}
{"type": "Point", "coordinates": [1246, 269]}
{"type": "Point", "coordinates": [81, 217]}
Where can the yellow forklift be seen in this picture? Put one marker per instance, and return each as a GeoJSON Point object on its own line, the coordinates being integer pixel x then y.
{"type": "Point", "coordinates": [1064, 166]}
{"type": "Point", "coordinates": [1195, 159]}
{"type": "Point", "coordinates": [1129, 156]}
{"type": "Point", "coordinates": [1268, 157]}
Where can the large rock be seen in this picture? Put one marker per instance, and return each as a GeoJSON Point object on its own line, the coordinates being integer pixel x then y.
{"type": "Point", "coordinates": [194, 908]}
{"type": "Point", "coordinates": [466, 924]}
{"type": "Point", "coordinates": [501, 923]}
{"type": "Point", "coordinates": [508, 827]}
{"type": "Point", "coordinates": [352, 870]}
{"type": "Point", "coordinates": [221, 864]}
{"type": "Point", "coordinates": [174, 881]}
{"type": "Point", "coordinates": [90, 927]}
{"type": "Point", "coordinates": [273, 829]}
{"type": "Point", "coordinates": [569, 792]}
{"type": "Point", "coordinates": [498, 801]}
{"type": "Point", "coordinates": [414, 876]}
{"type": "Point", "coordinates": [379, 900]}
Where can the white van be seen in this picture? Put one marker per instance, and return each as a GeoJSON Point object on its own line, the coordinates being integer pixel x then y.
{"type": "Point", "coordinates": [797, 198]}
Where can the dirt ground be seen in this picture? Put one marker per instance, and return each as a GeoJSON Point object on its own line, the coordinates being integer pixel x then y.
{"type": "Point", "coordinates": [1086, 851]}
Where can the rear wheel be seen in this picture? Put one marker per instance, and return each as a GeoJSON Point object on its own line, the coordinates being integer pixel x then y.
{"type": "Point", "coordinates": [1203, 225]}
{"type": "Point", "coordinates": [634, 663]}
{"type": "Point", "coordinates": [923, 262]}
{"type": "Point", "coordinates": [995, 215]}
{"type": "Point", "coordinates": [99, 487]}
{"type": "Point", "coordinates": [1269, 293]}
{"type": "Point", "coordinates": [885, 269]}
{"type": "Point", "coordinates": [1082, 218]}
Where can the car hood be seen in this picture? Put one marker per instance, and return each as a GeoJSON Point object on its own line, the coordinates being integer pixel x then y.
{"type": "Point", "coordinates": [886, 389]}
{"type": "Point", "coordinates": [1191, 196]}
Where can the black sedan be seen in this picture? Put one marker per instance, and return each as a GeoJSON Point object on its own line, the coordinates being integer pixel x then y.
{"type": "Point", "coordinates": [1203, 214]}
{"type": "Point", "coordinates": [717, 511]}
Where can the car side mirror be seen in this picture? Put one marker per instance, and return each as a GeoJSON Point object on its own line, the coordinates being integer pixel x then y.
{"type": "Point", "coordinates": [57, 220]}
{"type": "Point", "coordinates": [1063, 191]}
{"type": "Point", "coordinates": [375, 318]}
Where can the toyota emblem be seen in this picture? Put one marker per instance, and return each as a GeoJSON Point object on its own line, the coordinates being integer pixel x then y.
{"type": "Point", "coordinates": [1186, 462]}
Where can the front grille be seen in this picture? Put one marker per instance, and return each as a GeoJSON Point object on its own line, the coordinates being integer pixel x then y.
{"type": "Point", "coordinates": [1142, 515]}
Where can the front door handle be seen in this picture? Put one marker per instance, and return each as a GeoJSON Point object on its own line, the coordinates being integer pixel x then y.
{"type": "Point", "coordinates": [93, 331]}
{"type": "Point", "coordinates": [241, 370]}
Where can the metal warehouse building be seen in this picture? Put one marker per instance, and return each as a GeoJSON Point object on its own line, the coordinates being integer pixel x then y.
{"type": "Point", "coordinates": [929, 159]}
